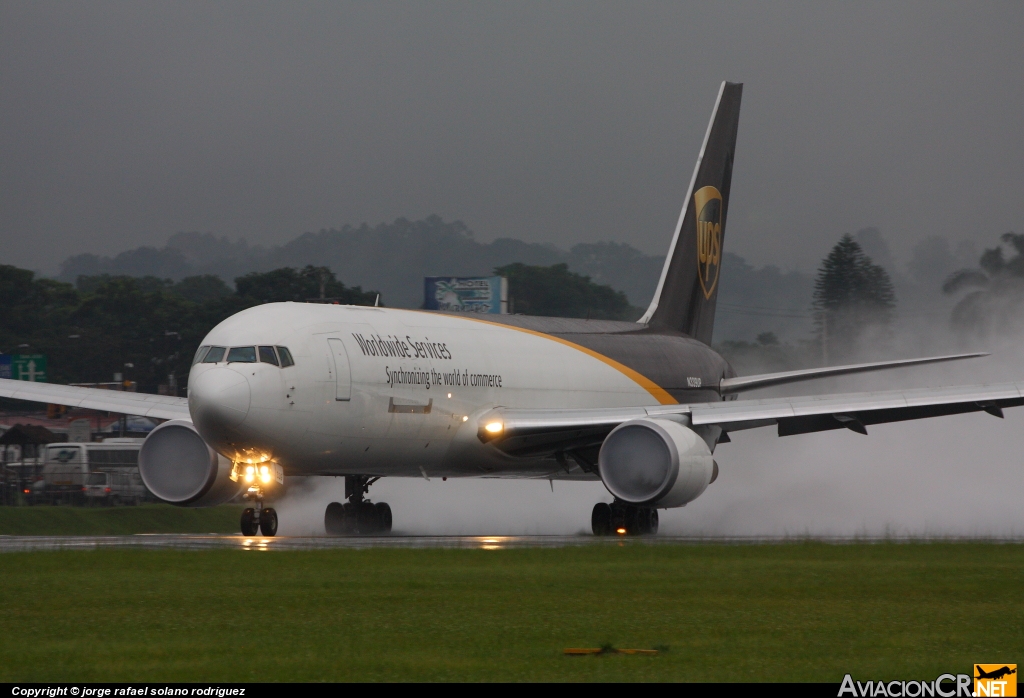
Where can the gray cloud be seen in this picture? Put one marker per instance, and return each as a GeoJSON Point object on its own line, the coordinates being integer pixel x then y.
{"type": "Point", "coordinates": [122, 123]}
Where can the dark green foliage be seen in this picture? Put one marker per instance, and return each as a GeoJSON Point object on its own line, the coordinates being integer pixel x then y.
{"type": "Point", "coordinates": [94, 329]}
{"type": "Point", "coordinates": [851, 296]}
{"type": "Point", "coordinates": [200, 289]}
{"type": "Point", "coordinates": [289, 284]}
{"type": "Point", "coordinates": [557, 292]}
{"type": "Point", "coordinates": [996, 305]}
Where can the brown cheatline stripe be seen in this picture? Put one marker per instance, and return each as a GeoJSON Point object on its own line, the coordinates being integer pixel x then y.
{"type": "Point", "coordinates": [660, 394]}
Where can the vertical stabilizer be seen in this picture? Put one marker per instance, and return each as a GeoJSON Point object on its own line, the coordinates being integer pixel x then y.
{"type": "Point", "coordinates": [688, 289]}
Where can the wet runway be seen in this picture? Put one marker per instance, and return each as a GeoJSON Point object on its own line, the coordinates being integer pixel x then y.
{"type": "Point", "coordinates": [238, 542]}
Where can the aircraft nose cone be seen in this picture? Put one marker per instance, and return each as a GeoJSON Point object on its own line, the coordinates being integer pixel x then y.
{"type": "Point", "coordinates": [218, 398]}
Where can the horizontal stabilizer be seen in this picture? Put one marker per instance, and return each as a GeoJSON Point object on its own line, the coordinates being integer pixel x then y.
{"type": "Point", "coordinates": [767, 380]}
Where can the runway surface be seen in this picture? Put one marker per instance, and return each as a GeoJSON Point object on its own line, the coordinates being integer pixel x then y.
{"type": "Point", "coordinates": [161, 541]}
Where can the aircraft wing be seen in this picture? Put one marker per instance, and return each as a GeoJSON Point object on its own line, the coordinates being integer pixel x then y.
{"type": "Point", "coordinates": [550, 431]}
{"type": "Point", "coordinates": [767, 380]}
{"type": "Point", "coordinates": [158, 406]}
{"type": "Point", "coordinates": [802, 415]}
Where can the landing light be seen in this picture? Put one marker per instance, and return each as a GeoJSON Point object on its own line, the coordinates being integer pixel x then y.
{"type": "Point", "coordinates": [621, 531]}
{"type": "Point", "coordinates": [265, 474]}
{"type": "Point", "coordinates": [449, 395]}
{"type": "Point", "coordinates": [493, 427]}
{"type": "Point", "coordinates": [465, 419]}
{"type": "Point", "coordinates": [250, 473]}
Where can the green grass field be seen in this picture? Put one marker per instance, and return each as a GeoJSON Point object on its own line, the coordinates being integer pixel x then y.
{"type": "Point", "coordinates": [800, 611]}
{"type": "Point", "coordinates": [116, 521]}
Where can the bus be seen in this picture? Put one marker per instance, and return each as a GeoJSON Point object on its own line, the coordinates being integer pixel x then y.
{"type": "Point", "coordinates": [104, 473]}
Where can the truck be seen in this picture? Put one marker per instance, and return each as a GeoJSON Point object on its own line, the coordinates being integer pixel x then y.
{"type": "Point", "coordinates": [111, 488]}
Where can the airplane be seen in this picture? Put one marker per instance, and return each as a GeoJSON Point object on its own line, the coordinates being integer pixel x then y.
{"type": "Point", "coordinates": [300, 389]}
{"type": "Point", "coordinates": [995, 674]}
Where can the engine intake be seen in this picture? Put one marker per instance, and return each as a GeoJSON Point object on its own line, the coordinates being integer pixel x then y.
{"type": "Point", "coordinates": [180, 468]}
{"type": "Point", "coordinates": [656, 462]}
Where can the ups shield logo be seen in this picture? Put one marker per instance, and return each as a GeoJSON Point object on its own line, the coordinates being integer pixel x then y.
{"type": "Point", "coordinates": [708, 206]}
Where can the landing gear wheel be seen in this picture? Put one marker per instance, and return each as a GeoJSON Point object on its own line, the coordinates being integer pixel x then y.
{"type": "Point", "coordinates": [350, 519]}
{"type": "Point", "coordinates": [358, 516]}
{"type": "Point", "coordinates": [368, 520]}
{"type": "Point", "coordinates": [633, 520]}
{"type": "Point", "coordinates": [249, 525]}
{"type": "Point", "coordinates": [334, 519]}
{"type": "Point", "coordinates": [601, 519]}
{"type": "Point", "coordinates": [647, 521]}
{"type": "Point", "coordinates": [268, 522]}
{"type": "Point", "coordinates": [383, 517]}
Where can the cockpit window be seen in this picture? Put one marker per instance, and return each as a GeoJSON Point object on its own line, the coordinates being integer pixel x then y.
{"type": "Point", "coordinates": [214, 355]}
{"type": "Point", "coordinates": [244, 355]}
{"type": "Point", "coordinates": [200, 353]}
{"type": "Point", "coordinates": [286, 357]}
{"type": "Point", "coordinates": [268, 356]}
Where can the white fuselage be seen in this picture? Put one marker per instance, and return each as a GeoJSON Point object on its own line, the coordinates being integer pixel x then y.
{"type": "Point", "coordinates": [378, 391]}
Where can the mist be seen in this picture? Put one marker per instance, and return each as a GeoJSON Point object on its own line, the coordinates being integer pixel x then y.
{"type": "Point", "coordinates": [956, 476]}
{"type": "Point", "coordinates": [951, 476]}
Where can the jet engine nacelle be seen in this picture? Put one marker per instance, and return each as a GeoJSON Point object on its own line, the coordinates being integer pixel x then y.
{"type": "Point", "coordinates": [655, 462]}
{"type": "Point", "coordinates": [179, 468]}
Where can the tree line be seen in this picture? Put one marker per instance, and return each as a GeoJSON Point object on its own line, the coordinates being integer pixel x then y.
{"type": "Point", "coordinates": [147, 329]}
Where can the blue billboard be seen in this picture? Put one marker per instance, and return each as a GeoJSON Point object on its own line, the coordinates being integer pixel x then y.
{"type": "Point", "coordinates": [466, 294]}
{"type": "Point", "coordinates": [5, 366]}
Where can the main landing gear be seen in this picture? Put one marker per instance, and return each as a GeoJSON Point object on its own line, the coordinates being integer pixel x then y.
{"type": "Point", "coordinates": [357, 516]}
{"type": "Point", "coordinates": [258, 518]}
{"type": "Point", "coordinates": [623, 519]}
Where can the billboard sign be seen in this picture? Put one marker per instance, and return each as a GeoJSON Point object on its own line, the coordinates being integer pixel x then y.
{"type": "Point", "coordinates": [80, 431]}
{"type": "Point", "coordinates": [29, 367]}
{"type": "Point", "coordinates": [466, 294]}
{"type": "Point", "coordinates": [5, 366]}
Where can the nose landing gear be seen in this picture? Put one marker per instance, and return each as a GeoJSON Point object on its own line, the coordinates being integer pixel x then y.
{"type": "Point", "coordinates": [623, 519]}
{"type": "Point", "coordinates": [258, 519]}
{"type": "Point", "coordinates": [357, 516]}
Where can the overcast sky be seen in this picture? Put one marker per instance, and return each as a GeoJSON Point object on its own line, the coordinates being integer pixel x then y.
{"type": "Point", "coordinates": [122, 123]}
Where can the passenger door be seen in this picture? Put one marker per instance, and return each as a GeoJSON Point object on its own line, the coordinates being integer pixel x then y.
{"type": "Point", "coordinates": [342, 372]}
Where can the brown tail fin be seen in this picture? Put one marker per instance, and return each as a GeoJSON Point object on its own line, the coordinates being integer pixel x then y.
{"type": "Point", "coordinates": [688, 290]}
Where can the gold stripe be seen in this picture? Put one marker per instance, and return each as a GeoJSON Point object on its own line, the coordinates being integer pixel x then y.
{"type": "Point", "coordinates": [660, 394]}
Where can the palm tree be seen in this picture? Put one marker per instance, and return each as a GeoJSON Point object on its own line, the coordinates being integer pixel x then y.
{"type": "Point", "coordinates": [996, 305]}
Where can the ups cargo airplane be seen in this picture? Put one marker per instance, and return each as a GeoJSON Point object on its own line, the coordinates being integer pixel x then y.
{"type": "Point", "coordinates": [287, 389]}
